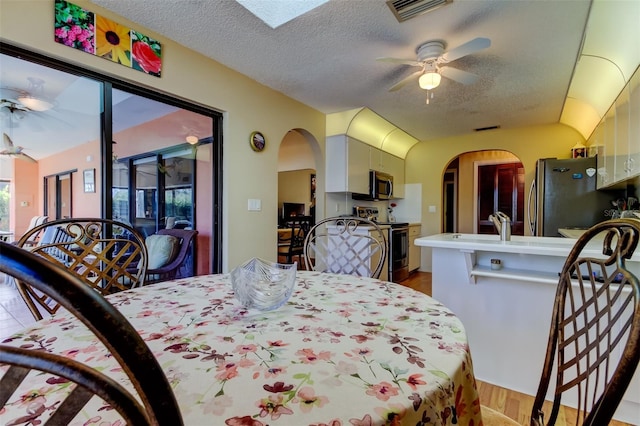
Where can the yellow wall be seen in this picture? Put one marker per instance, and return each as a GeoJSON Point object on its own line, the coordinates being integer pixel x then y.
{"type": "Point", "coordinates": [247, 106]}
{"type": "Point", "coordinates": [426, 162]}
{"type": "Point", "coordinates": [295, 187]}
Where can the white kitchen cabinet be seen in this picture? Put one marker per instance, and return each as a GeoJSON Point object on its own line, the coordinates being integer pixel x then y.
{"type": "Point", "coordinates": [387, 163]}
{"type": "Point", "coordinates": [634, 123]}
{"type": "Point", "coordinates": [347, 165]}
{"type": "Point", "coordinates": [414, 250]}
{"type": "Point", "coordinates": [623, 167]}
{"type": "Point", "coordinates": [619, 135]}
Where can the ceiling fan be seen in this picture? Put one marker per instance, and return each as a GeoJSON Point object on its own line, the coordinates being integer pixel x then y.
{"type": "Point", "coordinates": [433, 61]}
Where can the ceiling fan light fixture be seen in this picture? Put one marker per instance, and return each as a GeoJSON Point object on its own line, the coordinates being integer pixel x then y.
{"type": "Point", "coordinates": [429, 80]}
{"type": "Point", "coordinates": [35, 104]}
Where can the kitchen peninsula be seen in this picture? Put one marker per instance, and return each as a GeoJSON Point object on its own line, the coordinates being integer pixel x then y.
{"type": "Point", "coordinates": [505, 304]}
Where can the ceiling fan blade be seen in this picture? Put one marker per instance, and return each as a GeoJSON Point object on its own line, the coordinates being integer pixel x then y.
{"type": "Point", "coordinates": [7, 143]}
{"type": "Point", "coordinates": [399, 85]}
{"type": "Point", "coordinates": [411, 62]}
{"type": "Point", "coordinates": [466, 49]}
{"type": "Point", "coordinates": [458, 75]}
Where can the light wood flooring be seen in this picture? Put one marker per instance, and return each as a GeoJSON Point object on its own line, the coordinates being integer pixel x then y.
{"type": "Point", "coordinates": [513, 404]}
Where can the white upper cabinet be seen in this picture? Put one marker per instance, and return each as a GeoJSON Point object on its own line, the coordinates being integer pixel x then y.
{"type": "Point", "coordinates": [384, 162]}
{"type": "Point", "coordinates": [347, 165]}
{"type": "Point", "coordinates": [619, 135]}
{"type": "Point", "coordinates": [349, 161]}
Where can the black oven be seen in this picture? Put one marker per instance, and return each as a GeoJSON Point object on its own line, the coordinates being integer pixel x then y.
{"type": "Point", "coordinates": [398, 252]}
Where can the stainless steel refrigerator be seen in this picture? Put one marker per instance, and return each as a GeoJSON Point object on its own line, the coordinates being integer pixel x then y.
{"type": "Point", "coordinates": [564, 195]}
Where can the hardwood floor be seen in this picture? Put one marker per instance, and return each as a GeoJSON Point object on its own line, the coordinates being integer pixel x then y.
{"type": "Point", "coordinates": [513, 404]}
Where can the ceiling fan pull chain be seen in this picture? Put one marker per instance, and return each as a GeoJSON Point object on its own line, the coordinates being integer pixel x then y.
{"type": "Point", "coordinates": [429, 96]}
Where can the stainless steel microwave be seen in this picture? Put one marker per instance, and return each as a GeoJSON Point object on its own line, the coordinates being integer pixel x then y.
{"type": "Point", "coordinates": [380, 185]}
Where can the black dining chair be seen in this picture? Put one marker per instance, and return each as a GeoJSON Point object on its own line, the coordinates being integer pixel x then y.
{"type": "Point", "coordinates": [291, 244]}
{"type": "Point", "coordinates": [594, 340]}
{"type": "Point", "coordinates": [153, 402]}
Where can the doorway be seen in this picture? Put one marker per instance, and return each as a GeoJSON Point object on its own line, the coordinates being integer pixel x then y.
{"type": "Point", "coordinates": [500, 188]}
{"type": "Point", "coordinates": [462, 202]}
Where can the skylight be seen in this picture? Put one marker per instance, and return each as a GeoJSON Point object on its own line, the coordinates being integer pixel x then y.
{"type": "Point", "coordinates": [277, 12]}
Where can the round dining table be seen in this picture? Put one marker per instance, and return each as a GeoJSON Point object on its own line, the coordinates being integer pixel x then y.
{"type": "Point", "coordinates": [344, 350]}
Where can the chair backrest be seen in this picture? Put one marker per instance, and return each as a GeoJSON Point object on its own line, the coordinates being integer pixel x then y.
{"type": "Point", "coordinates": [124, 344]}
{"type": "Point", "coordinates": [346, 245]}
{"type": "Point", "coordinates": [107, 255]}
{"type": "Point", "coordinates": [594, 341]}
{"type": "Point", "coordinates": [300, 227]}
{"type": "Point", "coordinates": [35, 221]}
{"type": "Point", "coordinates": [171, 269]}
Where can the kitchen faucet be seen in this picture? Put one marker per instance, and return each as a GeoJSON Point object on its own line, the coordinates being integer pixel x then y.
{"type": "Point", "coordinates": [502, 223]}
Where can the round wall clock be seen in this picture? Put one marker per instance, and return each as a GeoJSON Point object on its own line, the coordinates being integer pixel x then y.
{"type": "Point", "coordinates": [257, 141]}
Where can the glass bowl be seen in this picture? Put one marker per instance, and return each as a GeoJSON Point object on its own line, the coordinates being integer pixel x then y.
{"type": "Point", "coordinates": [263, 285]}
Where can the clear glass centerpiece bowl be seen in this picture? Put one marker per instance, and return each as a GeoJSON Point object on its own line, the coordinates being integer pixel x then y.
{"type": "Point", "coordinates": [263, 285]}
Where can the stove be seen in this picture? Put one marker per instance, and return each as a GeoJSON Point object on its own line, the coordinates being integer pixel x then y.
{"type": "Point", "coordinates": [398, 243]}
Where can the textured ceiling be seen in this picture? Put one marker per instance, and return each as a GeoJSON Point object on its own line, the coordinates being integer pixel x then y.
{"type": "Point", "coordinates": [326, 58]}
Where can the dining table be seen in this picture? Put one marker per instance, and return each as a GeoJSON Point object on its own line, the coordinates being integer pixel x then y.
{"type": "Point", "coordinates": [343, 350]}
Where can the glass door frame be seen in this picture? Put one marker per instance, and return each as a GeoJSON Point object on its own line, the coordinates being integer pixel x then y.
{"type": "Point", "coordinates": [109, 83]}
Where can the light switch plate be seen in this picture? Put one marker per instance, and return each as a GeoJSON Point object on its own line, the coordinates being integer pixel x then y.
{"type": "Point", "coordinates": [254, 205]}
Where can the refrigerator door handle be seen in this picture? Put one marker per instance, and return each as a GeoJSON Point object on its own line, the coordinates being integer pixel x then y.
{"type": "Point", "coordinates": [532, 208]}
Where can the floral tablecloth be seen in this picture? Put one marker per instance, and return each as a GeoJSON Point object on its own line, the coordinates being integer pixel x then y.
{"type": "Point", "coordinates": [344, 350]}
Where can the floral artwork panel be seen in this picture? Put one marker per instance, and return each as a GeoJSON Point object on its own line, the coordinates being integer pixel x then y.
{"type": "Point", "coordinates": [113, 41]}
{"type": "Point", "coordinates": [146, 54]}
{"type": "Point", "coordinates": [74, 26]}
{"type": "Point", "coordinates": [84, 30]}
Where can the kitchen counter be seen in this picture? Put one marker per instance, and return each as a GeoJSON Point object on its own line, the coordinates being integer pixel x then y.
{"type": "Point", "coordinates": [507, 310]}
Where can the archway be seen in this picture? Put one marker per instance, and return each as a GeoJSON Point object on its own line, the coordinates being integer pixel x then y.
{"type": "Point", "coordinates": [300, 179]}
{"type": "Point", "coordinates": [477, 183]}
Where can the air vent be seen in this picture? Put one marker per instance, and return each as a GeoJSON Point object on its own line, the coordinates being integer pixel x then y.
{"type": "Point", "coordinates": [482, 129]}
{"type": "Point", "coordinates": [407, 9]}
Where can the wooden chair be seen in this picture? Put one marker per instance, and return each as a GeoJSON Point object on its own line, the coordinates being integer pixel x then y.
{"type": "Point", "coordinates": [154, 402]}
{"type": "Point", "coordinates": [292, 242]}
{"type": "Point", "coordinates": [169, 271]}
{"type": "Point", "coordinates": [108, 256]}
{"type": "Point", "coordinates": [594, 341]}
{"type": "Point", "coordinates": [346, 245]}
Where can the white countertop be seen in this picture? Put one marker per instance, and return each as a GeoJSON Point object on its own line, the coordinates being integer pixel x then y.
{"type": "Point", "coordinates": [546, 246]}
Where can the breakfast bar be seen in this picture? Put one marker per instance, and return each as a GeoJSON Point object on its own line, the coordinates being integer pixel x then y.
{"type": "Point", "coordinates": [503, 291]}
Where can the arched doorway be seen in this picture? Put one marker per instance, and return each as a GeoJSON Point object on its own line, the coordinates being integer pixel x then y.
{"type": "Point", "coordinates": [476, 184]}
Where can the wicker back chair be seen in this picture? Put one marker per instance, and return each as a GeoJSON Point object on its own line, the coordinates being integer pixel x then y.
{"type": "Point", "coordinates": [153, 402]}
{"type": "Point", "coordinates": [107, 255]}
{"type": "Point", "coordinates": [594, 341]}
{"type": "Point", "coordinates": [346, 245]}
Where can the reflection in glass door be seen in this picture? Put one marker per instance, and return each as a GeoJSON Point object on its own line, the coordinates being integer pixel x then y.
{"type": "Point", "coordinates": [57, 195]}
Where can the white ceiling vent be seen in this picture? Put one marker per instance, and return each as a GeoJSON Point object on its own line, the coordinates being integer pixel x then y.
{"type": "Point", "coordinates": [407, 9]}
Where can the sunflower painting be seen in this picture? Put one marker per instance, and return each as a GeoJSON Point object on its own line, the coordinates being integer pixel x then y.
{"type": "Point", "coordinates": [113, 41]}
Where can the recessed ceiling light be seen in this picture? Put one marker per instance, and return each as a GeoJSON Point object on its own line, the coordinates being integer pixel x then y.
{"type": "Point", "coordinates": [192, 139]}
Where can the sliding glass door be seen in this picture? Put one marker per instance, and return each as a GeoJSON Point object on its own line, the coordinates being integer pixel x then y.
{"type": "Point", "coordinates": [154, 160]}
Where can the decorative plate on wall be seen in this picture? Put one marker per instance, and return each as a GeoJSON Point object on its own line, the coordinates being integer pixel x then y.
{"type": "Point", "coordinates": [257, 141]}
